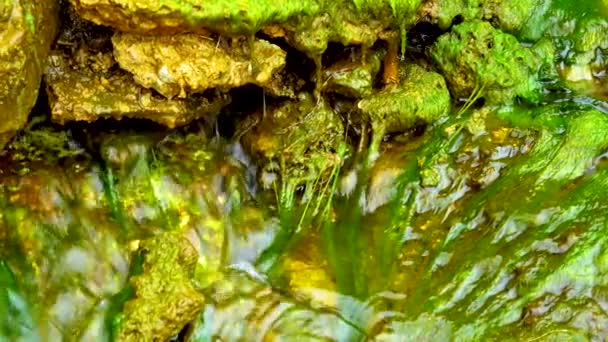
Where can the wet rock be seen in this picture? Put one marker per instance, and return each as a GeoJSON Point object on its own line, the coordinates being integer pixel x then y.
{"type": "Point", "coordinates": [190, 63]}
{"type": "Point", "coordinates": [585, 65]}
{"type": "Point", "coordinates": [75, 223]}
{"type": "Point", "coordinates": [166, 273]}
{"type": "Point", "coordinates": [58, 231]}
{"type": "Point", "coordinates": [352, 78]}
{"type": "Point", "coordinates": [422, 97]}
{"type": "Point", "coordinates": [225, 16]}
{"type": "Point", "coordinates": [27, 29]}
{"type": "Point", "coordinates": [509, 15]}
{"type": "Point", "coordinates": [302, 136]}
{"type": "Point", "coordinates": [91, 87]}
{"type": "Point", "coordinates": [284, 84]}
{"type": "Point", "coordinates": [477, 58]}
{"type": "Point", "coordinates": [308, 24]}
{"type": "Point", "coordinates": [246, 309]}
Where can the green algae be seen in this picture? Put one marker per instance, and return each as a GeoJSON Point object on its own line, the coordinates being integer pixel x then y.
{"type": "Point", "coordinates": [422, 98]}
{"type": "Point", "coordinates": [312, 24]}
{"type": "Point", "coordinates": [167, 271]}
{"type": "Point", "coordinates": [297, 139]}
{"type": "Point", "coordinates": [17, 317]}
{"type": "Point", "coordinates": [354, 80]}
{"type": "Point", "coordinates": [476, 55]}
{"type": "Point", "coordinates": [508, 15]}
{"type": "Point", "coordinates": [487, 224]}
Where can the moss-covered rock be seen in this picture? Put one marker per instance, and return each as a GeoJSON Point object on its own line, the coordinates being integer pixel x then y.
{"type": "Point", "coordinates": [173, 16]}
{"type": "Point", "coordinates": [90, 87]}
{"type": "Point", "coordinates": [308, 24]}
{"type": "Point", "coordinates": [188, 63]}
{"type": "Point", "coordinates": [509, 15]}
{"type": "Point", "coordinates": [586, 58]}
{"type": "Point", "coordinates": [477, 57]}
{"type": "Point", "coordinates": [422, 97]}
{"type": "Point", "coordinates": [299, 137]}
{"type": "Point", "coordinates": [352, 78]}
{"type": "Point", "coordinates": [167, 273]}
{"type": "Point", "coordinates": [27, 29]}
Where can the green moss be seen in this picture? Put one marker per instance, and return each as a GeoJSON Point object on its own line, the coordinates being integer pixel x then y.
{"type": "Point", "coordinates": [297, 138]}
{"type": "Point", "coordinates": [585, 139]}
{"type": "Point", "coordinates": [233, 17]}
{"type": "Point", "coordinates": [311, 24]}
{"type": "Point", "coordinates": [44, 144]}
{"type": "Point", "coordinates": [476, 55]}
{"type": "Point", "coordinates": [167, 273]}
{"type": "Point", "coordinates": [509, 15]}
{"type": "Point", "coordinates": [422, 97]}
{"type": "Point", "coordinates": [356, 79]}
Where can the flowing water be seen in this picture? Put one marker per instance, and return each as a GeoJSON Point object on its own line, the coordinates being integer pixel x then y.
{"type": "Point", "coordinates": [491, 225]}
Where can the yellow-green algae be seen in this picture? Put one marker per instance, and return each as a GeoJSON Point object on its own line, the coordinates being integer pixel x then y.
{"type": "Point", "coordinates": [165, 297]}
{"type": "Point", "coordinates": [311, 23]}
{"type": "Point", "coordinates": [490, 224]}
{"type": "Point", "coordinates": [475, 56]}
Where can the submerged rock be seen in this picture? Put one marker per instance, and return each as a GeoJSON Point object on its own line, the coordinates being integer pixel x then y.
{"type": "Point", "coordinates": [27, 29]}
{"type": "Point", "coordinates": [476, 57]}
{"type": "Point", "coordinates": [69, 223]}
{"type": "Point", "coordinates": [189, 63]}
{"type": "Point", "coordinates": [167, 273]}
{"type": "Point", "coordinates": [585, 64]}
{"type": "Point", "coordinates": [93, 88]}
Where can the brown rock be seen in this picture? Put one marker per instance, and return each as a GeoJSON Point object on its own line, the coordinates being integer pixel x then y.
{"type": "Point", "coordinates": [190, 63]}
{"type": "Point", "coordinates": [93, 88]}
{"type": "Point", "coordinates": [27, 29]}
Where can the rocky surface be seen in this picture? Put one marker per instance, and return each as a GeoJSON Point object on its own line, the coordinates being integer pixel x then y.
{"type": "Point", "coordinates": [296, 139]}
{"type": "Point", "coordinates": [183, 64]}
{"type": "Point", "coordinates": [27, 30]}
{"type": "Point", "coordinates": [258, 209]}
{"type": "Point", "coordinates": [94, 88]}
{"type": "Point", "coordinates": [167, 273]}
{"type": "Point", "coordinates": [475, 57]}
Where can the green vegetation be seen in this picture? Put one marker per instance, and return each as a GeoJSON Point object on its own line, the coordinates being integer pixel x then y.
{"type": "Point", "coordinates": [475, 54]}
{"type": "Point", "coordinates": [328, 186]}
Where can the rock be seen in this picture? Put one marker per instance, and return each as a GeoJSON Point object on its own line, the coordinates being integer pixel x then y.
{"type": "Point", "coordinates": [169, 17]}
{"type": "Point", "coordinates": [27, 29]}
{"type": "Point", "coordinates": [353, 79]}
{"type": "Point", "coordinates": [476, 57]}
{"type": "Point", "coordinates": [422, 97]}
{"type": "Point", "coordinates": [509, 15]}
{"type": "Point", "coordinates": [93, 88]}
{"type": "Point", "coordinates": [190, 63]}
{"type": "Point", "coordinates": [167, 272]}
{"type": "Point", "coordinates": [586, 61]}
{"type": "Point", "coordinates": [309, 25]}
{"type": "Point", "coordinates": [302, 136]}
